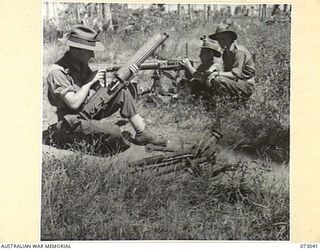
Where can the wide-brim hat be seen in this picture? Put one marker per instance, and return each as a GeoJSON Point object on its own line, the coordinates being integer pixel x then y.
{"type": "Point", "coordinates": [212, 45]}
{"type": "Point", "coordinates": [82, 37]}
{"type": "Point", "coordinates": [223, 29]}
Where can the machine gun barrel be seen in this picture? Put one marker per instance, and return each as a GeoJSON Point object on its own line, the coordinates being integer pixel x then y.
{"type": "Point", "coordinates": [141, 55]}
{"type": "Point", "coordinates": [152, 65]}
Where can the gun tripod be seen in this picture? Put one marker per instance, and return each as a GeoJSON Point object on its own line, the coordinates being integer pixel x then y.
{"type": "Point", "coordinates": [157, 92]}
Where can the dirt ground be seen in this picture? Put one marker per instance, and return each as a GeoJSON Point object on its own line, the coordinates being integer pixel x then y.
{"type": "Point", "coordinates": [177, 138]}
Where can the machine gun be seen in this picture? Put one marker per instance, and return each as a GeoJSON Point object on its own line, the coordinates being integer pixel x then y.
{"type": "Point", "coordinates": [154, 65]}
{"type": "Point", "coordinates": [159, 67]}
{"type": "Point", "coordinates": [121, 77]}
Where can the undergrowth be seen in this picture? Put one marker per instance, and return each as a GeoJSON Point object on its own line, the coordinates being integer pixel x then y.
{"type": "Point", "coordinates": [106, 202]}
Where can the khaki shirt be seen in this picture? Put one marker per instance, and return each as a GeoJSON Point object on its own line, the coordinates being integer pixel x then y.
{"type": "Point", "coordinates": [239, 61]}
{"type": "Point", "coordinates": [202, 74]}
{"type": "Point", "coordinates": [66, 75]}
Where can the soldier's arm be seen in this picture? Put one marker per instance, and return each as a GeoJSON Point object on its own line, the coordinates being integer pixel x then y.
{"type": "Point", "coordinates": [238, 64]}
{"type": "Point", "coordinates": [235, 72]}
{"type": "Point", "coordinates": [229, 75]}
{"type": "Point", "coordinates": [188, 66]}
{"type": "Point", "coordinates": [75, 99]}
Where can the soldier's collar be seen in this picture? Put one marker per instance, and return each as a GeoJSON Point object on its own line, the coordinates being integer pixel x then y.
{"type": "Point", "coordinates": [233, 46]}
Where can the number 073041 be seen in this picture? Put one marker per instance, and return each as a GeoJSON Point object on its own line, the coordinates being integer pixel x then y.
{"type": "Point", "coordinates": [308, 245]}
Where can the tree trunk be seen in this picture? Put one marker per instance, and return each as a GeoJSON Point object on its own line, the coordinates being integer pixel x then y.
{"type": "Point", "coordinates": [102, 10]}
{"type": "Point", "coordinates": [260, 11]}
{"type": "Point", "coordinates": [99, 11]}
{"type": "Point", "coordinates": [244, 10]}
{"type": "Point", "coordinates": [208, 12]}
{"type": "Point", "coordinates": [264, 12]}
{"type": "Point", "coordinates": [106, 11]}
{"type": "Point", "coordinates": [76, 13]}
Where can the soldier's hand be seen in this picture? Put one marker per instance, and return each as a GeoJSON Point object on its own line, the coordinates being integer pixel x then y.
{"type": "Point", "coordinates": [134, 69]}
{"type": "Point", "coordinates": [212, 76]}
{"type": "Point", "coordinates": [186, 63]}
{"type": "Point", "coordinates": [99, 77]}
{"type": "Point", "coordinates": [213, 68]}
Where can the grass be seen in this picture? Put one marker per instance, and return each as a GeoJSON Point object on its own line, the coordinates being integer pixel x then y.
{"type": "Point", "coordinates": [100, 200]}
{"type": "Point", "coordinates": [105, 202]}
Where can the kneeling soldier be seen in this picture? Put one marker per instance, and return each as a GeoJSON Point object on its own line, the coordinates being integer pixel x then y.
{"type": "Point", "coordinates": [237, 77]}
{"type": "Point", "coordinates": [210, 51]}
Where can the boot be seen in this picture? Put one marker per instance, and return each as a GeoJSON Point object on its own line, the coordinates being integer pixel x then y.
{"type": "Point", "coordinates": [143, 135]}
{"type": "Point", "coordinates": [147, 136]}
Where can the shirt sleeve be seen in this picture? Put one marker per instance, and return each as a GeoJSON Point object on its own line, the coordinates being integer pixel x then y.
{"type": "Point", "coordinates": [60, 83]}
{"type": "Point", "coordinates": [197, 75]}
{"type": "Point", "coordinates": [238, 64]}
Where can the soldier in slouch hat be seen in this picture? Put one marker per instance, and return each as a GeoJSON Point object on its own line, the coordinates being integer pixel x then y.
{"type": "Point", "coordinates": [236, 78]}
{"type": "Point", "coordinates": [197, 77]}
{"type": "Point", "coordinates": [71, 84]}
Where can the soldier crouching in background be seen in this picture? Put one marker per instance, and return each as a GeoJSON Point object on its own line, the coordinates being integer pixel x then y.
{"type": "Point", "coordinates": [197, 77]}
{"type": "Point", "coordinates": [71, 84]}
{"type": "Point", "coordinates": [234, 78]}
{"type": "Point", "coordinates": [237, 77]}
